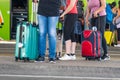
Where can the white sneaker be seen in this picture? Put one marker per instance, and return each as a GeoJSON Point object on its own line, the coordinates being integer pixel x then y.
{"type": "Point", "coordinates": [65, 57]}
{"type": "Point", "coordinates": [73, 57]}
{"type": "Point", "coordinates": [118, 45]}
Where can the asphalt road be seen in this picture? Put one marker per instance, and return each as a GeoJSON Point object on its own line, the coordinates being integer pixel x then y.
{"type": "Point", "coordinates": [79, 69]}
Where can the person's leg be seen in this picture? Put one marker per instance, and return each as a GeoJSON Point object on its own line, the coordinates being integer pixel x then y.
{"type": "Point", "coordinates": [68, 46]}
{"type": "Point", "coordinates": [118, 32]}
{"type": "Point", "coordinates": [118, 38]}
{"type": "Point", "coordinates": [52, 22]}
{"type": "Point", "coordinates": [42, 21]}
{"type": "Point", "coordinates": [73, 39]}
{"type": "Point", "coordinates": [73, 47]}
{"type": "Point", "coordinates": [104, 44]}
{"type": "Point", "coordinates": [67, 37]}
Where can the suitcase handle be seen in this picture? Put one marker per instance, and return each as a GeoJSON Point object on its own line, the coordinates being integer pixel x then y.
{"type": "Point", "coordinates": [34, 12]}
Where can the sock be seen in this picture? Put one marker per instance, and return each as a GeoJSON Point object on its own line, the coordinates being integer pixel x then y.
{"type": "Point", "coordinates": [72, 54]}
{"type": "Point", "coordinates": [68, 54]}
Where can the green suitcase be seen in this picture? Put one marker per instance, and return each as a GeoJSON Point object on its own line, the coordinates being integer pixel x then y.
{"type": "Point", "coordinates": [26, 42]}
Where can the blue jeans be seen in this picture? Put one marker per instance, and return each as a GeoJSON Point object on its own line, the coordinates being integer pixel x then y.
{"type": "Point", "coordinates": [47, 25]}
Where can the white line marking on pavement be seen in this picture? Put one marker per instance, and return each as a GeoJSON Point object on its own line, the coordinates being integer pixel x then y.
{"type": "Point", "coordinates": [60, 77]}
{"type": "Point", "coordinates": [7, 42]}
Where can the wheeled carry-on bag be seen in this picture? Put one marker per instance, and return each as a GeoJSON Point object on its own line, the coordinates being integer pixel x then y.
{"type": "Point", "coordinates": [91, 44]}
{"type": "Point", "coordinates": [26, 41]}
{"type": "Point", "coordinates": [109, 36]}
{"type": "Point", "coordinates": [59, 39]}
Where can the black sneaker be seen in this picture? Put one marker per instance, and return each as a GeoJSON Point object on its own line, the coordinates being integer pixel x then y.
{"type": "Point", "coordinates": [105, 57]}
{"type": "Point", "coordinates": [51, 60]}
{"type": "Point", "coordinates": [40, 59]}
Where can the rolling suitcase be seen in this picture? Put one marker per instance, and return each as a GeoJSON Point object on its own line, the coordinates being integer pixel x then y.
{"type": "Point", "coordinates": [59, 39]}
{"type": "Point", "coordinates": [91, 44]}
{"type": "Point", "coordinates": [109, 37]}
{"type": "Point", "coordinates": [26, 41]}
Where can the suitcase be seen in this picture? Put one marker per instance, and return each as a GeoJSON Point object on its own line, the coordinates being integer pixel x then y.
{"type": "Point", "coordinates": [59, 39]}
{"type": "Point", "coordinates": [27, 38]}
{"type": "Point", "coordinates": [109, 37]}
{"type": "Point", "coordinates": [91, 44]}
{"type": "Point", "coordinates": [26, 42]}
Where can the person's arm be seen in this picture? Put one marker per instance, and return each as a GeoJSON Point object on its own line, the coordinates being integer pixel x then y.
{"type": "Point", "coordinates": [35, 1]}
{"type": "Point", "coordinates": [87, 15]}
{"type": "Point", "coordinates": [103, 6]}
{"type": "Point", "coordinates": [118, 15]}
{"type": "Point", "coordinates": [69, 8]}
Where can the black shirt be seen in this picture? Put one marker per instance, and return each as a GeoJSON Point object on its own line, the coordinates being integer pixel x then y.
{"type": "Point", "coordinates": [49, 7]}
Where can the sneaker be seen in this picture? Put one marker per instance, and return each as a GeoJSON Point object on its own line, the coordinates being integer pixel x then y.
{"type": "Point", "coordinates": [73, 57]}
{"type": "Point", "coordinates": [106, 57]}
{"type": "Point", "coordinates": [40, 59]}
{"type": "Point", "coordinates": [118, 45]}
{"type": "Point", "coordinates": [51, 60]}
{"type": "Point", "coordinates": [65, 57]}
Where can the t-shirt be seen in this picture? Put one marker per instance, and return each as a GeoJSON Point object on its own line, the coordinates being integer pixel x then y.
{"type": "Point", "coordinates": [74, 10]}
{"type": "Point", "coordinates": [49, 7]}
{"type": "Point", "coordinates": [94, 5]}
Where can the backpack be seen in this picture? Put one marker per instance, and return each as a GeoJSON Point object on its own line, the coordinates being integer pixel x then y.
{"type": "Point", "coordinates": [80, 9]}
{"type": "Point", "coordinates": [109, 14]}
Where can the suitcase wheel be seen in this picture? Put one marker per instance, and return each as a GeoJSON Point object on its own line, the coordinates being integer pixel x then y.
{"type": "Point", "coordinates": [99, 59]}
{"type": "Point", "coordinates": [25, 59]}
{"type": "Point", "coordinates": [16, 59]}
{"type": "Point", "coordinates": [88, 58]}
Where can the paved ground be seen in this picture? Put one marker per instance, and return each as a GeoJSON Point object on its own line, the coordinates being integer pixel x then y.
{"type": "Point", "coordinates": [79, 69]}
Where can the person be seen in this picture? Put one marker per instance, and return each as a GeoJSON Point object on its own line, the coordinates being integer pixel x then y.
{"type": "Point", "coordinates": [71, 16]}
{"type": "Point", "coordinates": [96, 10]}
{"type": "Point", "coordinates": [116, 21]}
{"type": "Point", "coordinates": [48, 15]}
{"type": "Point", "coordinates": [110, 14]}
{"type": "Point", "coordinates": [80, 22]}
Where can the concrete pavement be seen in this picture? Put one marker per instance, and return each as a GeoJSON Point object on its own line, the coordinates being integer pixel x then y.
{"type": "Point", "coordinates": [79, 69]}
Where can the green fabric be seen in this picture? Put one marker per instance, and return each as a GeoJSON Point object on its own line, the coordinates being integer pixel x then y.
{"type": "Point", "coordinates": [59, 26]}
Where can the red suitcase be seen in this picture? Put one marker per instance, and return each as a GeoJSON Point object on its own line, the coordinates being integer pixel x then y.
{"type": "Point", "coordinates": [91, 44]}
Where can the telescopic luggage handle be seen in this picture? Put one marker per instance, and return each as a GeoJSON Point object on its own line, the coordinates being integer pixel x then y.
{"type": "Point", "coordinates": [94, 28]}
{"type": "Point", "coordinates": [34, 12]}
